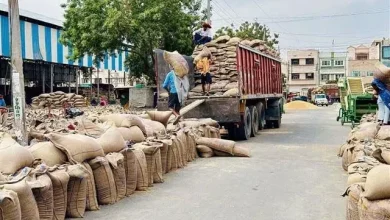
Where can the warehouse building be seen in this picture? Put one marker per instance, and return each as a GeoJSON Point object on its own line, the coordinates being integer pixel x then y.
{"type": "Point", "coordinates": [46, 64]}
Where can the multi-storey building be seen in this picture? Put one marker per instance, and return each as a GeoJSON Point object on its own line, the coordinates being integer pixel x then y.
{"type": "Point", "coordinates": [303, 73]}
{"type": "Point", "coordinates": [332, 66]}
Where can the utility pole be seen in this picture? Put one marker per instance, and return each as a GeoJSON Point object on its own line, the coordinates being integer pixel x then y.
{"type": "Point", "coordinates": [209, 11]}
{"type": "Point", "coordinates": [18, 93]}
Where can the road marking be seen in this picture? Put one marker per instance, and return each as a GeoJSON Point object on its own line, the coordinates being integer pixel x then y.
{"type": "Point", "coordinates": [277, 132]}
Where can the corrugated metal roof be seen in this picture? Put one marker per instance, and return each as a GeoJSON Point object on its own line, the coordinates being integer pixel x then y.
{"type": "Point", "coordinates": [32, 15]}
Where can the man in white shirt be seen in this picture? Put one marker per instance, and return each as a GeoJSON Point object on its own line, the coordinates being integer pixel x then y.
{"type": "Point", "coordinates": [203, 35]}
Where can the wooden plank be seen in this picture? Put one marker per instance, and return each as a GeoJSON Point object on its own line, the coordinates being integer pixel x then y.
{"type": "Point", "coordinates": [188, 108]}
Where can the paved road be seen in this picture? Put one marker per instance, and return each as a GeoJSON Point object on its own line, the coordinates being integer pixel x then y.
{"type": "Point", "coordinates": [294, 174]}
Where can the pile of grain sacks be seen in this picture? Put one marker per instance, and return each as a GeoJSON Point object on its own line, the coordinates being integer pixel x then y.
{"type": "Point", "coordinates": [57, 99]}
{"type": "Point", "coordinates": [110, 157]}
{"type": "Point", "coordinates": [224, 63]}
{"type": "Point", "coordinates": [366, 158]}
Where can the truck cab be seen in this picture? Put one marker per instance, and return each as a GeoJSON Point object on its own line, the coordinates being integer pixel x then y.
{"type": "Point", "coordinates": [320, 99]}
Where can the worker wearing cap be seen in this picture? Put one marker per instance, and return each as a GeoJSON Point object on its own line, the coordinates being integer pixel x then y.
{"type": "Point", "coordinates": [203, 35]}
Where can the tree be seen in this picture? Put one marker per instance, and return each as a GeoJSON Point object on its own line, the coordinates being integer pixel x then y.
{"type": "Point", "coordinates": [102, 26]}
{"type": "Point", "coordinates": [250, 31]}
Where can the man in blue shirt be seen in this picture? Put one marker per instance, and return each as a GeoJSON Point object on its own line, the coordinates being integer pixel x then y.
{"type": "Point", "coordinates": [173, 99]}
{"type": "Point", "coordinates": [2, 102]}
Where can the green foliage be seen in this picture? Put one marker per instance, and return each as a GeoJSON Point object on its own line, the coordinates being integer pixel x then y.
{"type": "Point", "coordinates": [250, 31]}
{"type": "Point", "coordinates": [96, 26]}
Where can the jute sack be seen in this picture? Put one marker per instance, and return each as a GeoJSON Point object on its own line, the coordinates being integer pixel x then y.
{"type": "Point", "coordinates": [92, 202]}
{"type": "Point", "coordinates": [204, 151]}
{"type": "Point", "coordinates": [191, 145]}
{"type": "Point", "coordinates": [117, 165]}
{"type": "Point", "coordinates": [239, 151]}
{"type": "Point", "coordinates": [207, 155]}
{"type": "Point", "coordinates": [353, 192]}
{"type": "Point", "coordinates": [13, 157]}
{"type": "Point", "coordinates": [133, 134]}
{"type": "Point", "coordinates": [166, 144]}
{"type": "Point", "coordinates": [118, 119]}
{"type": "Point", "coordinates": [153, 128]}
{"type": "Point", "coordinates": [182, 138]}
{"type": "Point", "coordinates": [136, 120]}
{"type": "Point", "coordinates": [221, 154]}
{"type": "Point", "coordinates": [382, 72]}
{"type": "Point", "coordinates": [111, 141]}
{"type": "Point", "coordinates": [222, 39]}
{"type": "Point", "coordinates": [374, 210]}
{"type": "Point", "coordinates": [59, 179]}
{"type": "Point", "coordinates": [28, 205]}
{"type": "Point", "coordinates": [152, 151]}
{"type": "Point", "coordinates": [172, 155]}
{"type": "Point", "coordinates": [231, 92]}
{"type": "Point", "coordinates": [44, 197]}
{"type": "Point", "coordinates": [365, 131]}
{"type": "Point", "coordinates": [87, 127]}
{"type": "Point", "coordinates": [142, 170]}
{"type": "Point", "coordinates": [204, 53]}
{"type": "Point", "coordinates": [178, 152]}
{"type": "Point", "coordinates": [218, 144]}
{"type": "Point", "coordinates": [377, 185]}
{"type": "Point", "coordinates": [383, 133]}
{"type": "Point", "coordinates": [130, 164]}
{"type": "Point", "coordinates": [77, 147]}
{"type": "Point", "coordinates": [48, 153]}
{"type": "Point", "coordinates": [9, 205]}
{"type": "Point", "coordinates": [77, 191]}
{"type": "Point", "coordinates": [104, 180]}
{"type": "Point", "coordinates": [160, 116]}
{"type": "Point", "coordinates": [356, 178]}
{"type": "Point", "coordinates": [234, 41]}
{"type": "Point", "coordinates": [386, 155]}
{"type": "Point", "coordinates": [178, 63]}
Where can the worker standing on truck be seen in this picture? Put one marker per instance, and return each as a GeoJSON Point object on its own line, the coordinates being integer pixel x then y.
{"type": "Point", "coordinates": [203, 35]}
{"type": "Point", "coordinates": [203, 66]}
{"type": "Point", "coordinates": [383, 95]}
{"type": "Point", "coordinates": [173, 99]}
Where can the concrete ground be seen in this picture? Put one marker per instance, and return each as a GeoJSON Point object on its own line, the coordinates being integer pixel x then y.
{"type": "Point", "coordinates": [294, 174]}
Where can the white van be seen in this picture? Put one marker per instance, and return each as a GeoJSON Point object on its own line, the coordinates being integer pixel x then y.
{"type": "Point", "coordinates": [320, 99]}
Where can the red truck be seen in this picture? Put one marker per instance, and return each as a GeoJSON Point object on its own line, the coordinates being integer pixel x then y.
{"type": "Point", "coordinates": [258, 105]}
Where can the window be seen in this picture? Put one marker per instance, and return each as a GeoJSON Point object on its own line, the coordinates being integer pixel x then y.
{"type": "Point", "coordinates": [386, 52]}
{"type": "Point", "coordinates": [362, 56]}
{"type": "Point", "coordinates": [339, 62]}
{"type": "Point", "coordinates": [325, 63]}
{"type": "Point", "coordinates": [295, 76]}
{"type": "Point", "coordinates": [310, 61]}
{"type": "Point", "coordinates": [370, 73]}
{"type": "Point", "coordinates": [356, 73]}
{"type": "Point", "coordinates": [294, 61]}
{"type": "Point", "coordinates": [96, 80]}
{"type": "Point", "coordinates": [324, 78]}
{"type": "Point", "coordinates": [85, 80]}
{"type": "Point", "coordinates": [309, 75]}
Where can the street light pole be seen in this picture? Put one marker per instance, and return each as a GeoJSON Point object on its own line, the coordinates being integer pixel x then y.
{"type": "Point", "coordinates": [209, 11]}
{"type": "Point", "coordinates": [18, 93]}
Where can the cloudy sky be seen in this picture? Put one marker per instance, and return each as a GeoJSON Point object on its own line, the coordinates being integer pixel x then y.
{"type": "Point", "coordinates": [301, 24]}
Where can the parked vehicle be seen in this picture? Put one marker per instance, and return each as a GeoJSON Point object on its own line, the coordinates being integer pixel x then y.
{"type": "Point", "coordinates": [259, 103]}
{"type": "Point", "coordinates": [320, 99]}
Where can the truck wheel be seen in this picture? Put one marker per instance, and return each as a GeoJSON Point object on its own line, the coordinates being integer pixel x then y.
{"type": "Point", "coordinates": [260, 108]}
{"type": "Point", "coordinates": [277, 123]}
{"type": "Point", "coordinates": [245, 130]}
{"type": "Point", "coordinates": [255, 120]}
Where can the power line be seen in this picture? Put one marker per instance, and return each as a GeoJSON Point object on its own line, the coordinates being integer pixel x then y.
{"type": "Point", "coordinates": [306, 18]}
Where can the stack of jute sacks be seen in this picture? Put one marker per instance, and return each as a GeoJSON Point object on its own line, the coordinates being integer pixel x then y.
{"type": "Point", "coordinates": [110, 157]}
{"type": "Point", "coordinates": [57, 99]}
{"type": "Point", "coordinates": [366, 158]}
{"type": "Point", "coordinates": [223, 69]}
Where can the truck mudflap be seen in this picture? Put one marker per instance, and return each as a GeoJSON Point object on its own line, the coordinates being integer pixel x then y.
{"type": "Point", "coordinates": [274, 109]}
{"type": "Point", "coordinates": [223, 110]}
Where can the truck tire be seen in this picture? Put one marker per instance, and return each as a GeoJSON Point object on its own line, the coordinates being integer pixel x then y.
{"type": "Point", "coordinates": [278, 123]}
{"type": "Point", "coordinates": [262, 122]}
{"type": "Point", "coordinates": [255, 120]}
{"type": "Point", "coordinates": [245, 130]}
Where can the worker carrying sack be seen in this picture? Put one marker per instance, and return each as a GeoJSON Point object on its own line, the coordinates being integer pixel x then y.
{"type": "Point", "coordinates": [178, 63]}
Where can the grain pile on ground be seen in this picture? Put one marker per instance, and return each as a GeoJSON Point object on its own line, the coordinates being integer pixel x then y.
{"type": "Point", "coordinates": [224, 66]}
{"type": "Point", "coordinates": [366, 158]}
{"type": "Point", "coordinates": [299, 105]}
{"type": "Point", "coordinates": [57, 99]}
{"type": "Point", "coordinates": [106, 156]}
